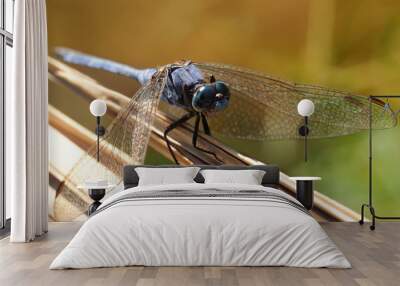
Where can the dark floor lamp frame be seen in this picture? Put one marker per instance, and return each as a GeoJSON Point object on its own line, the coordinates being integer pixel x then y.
{"type": "Point", "coordinates": [370, 198]}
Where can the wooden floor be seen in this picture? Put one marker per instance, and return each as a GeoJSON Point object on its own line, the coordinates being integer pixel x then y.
{"type": "Point", "coordinates": [375, 257]}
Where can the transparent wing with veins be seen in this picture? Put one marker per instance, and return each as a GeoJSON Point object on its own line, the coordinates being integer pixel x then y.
{"type": "Point", "coordinates": [263, 107]}
{"type": "Point", "coordinates": [125, 142]}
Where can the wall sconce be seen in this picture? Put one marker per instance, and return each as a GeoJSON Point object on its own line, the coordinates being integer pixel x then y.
{"type": "Point", "coordinates": [98, 108]}
{"type": "Point", "coordinates": [305, 108]}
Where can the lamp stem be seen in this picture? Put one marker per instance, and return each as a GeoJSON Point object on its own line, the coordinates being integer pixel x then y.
{"type": "Point", "coordinates": [98, 137]}
{"type": "Point", "coordinates": [305, 137]}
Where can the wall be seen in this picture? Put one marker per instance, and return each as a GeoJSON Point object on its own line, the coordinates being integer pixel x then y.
{"type": "Point", "coordinates": [347, 45]}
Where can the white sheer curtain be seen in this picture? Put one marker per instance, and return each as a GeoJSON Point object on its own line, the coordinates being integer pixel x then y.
{"type": "Point", "coordinates": [26, 124]}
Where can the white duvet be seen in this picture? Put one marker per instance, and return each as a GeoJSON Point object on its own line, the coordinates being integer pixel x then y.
{"type": "Point", "coordinates": [200, 231]}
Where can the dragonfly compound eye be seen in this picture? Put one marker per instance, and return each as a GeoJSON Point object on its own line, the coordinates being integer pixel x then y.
{"type": "Point", "coordinates": [211, 97]}
{"type": "Point", "coordinates": [222, 88]}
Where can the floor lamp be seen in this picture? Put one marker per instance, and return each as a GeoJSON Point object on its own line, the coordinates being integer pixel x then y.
{"type": "Point", "coordinates": [370, 198]}
{"type": "Point", "coordinates": [98, 108]}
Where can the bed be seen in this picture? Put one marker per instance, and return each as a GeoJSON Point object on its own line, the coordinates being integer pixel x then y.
{"type": "Point", "coordinates": [201, 224]}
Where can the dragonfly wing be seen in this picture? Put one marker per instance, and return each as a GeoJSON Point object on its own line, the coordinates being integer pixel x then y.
{"type": "Point", "coordinates": [125, 142]}
{"type": "Point", "coordinates": [262, 107]}
{"type": "Point", "coordinates": [172, 110]}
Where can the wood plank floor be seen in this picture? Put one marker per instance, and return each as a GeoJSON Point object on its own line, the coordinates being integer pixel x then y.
{"type": "Point", "coordinates": [375, 257]}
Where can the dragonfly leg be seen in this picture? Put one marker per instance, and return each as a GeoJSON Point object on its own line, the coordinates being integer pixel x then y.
{"type": "Point", "coordinates": [172, 126]}
{"type": "Point", "coordinates": [205, 124]}
{"type": "Point", "coordinates": [196, 134]}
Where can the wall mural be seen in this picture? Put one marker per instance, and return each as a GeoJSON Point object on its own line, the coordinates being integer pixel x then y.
{"type": "Point", "coordinates": [238, 104]}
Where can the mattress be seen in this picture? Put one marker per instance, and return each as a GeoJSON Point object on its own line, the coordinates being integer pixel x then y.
{"type": "Point", "coordinates": [201, 225]}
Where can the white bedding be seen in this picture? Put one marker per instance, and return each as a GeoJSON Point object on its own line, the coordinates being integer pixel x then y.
{"type": "Point", "coordinates": [200, 231]}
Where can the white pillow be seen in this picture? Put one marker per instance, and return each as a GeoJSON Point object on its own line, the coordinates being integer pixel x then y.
{"type": "Point", "coordinates": [248, 177]}
{"type": "Point", "coordinates": [164, 176]}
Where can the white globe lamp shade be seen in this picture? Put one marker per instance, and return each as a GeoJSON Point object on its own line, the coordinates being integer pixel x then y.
{"type": "Point", "coordinates": [305, 107]}
{"type": "Point", "coordinates": [98, 107]}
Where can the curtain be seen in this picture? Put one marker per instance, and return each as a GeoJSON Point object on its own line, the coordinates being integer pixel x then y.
{"type": "Point", "coordinates": [26, 124]}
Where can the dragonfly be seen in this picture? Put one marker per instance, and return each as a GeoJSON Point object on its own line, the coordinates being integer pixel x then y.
{"type": "Point", "coordinates": [185, 87]}
{"type": "Point", "coordinates": [226, 100]}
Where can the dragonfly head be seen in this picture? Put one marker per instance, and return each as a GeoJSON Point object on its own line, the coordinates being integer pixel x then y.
{"type": "Point", "coordinates": [211, 97]}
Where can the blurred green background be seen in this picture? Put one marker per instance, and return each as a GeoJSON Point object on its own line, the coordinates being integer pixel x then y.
{"type": "Point", "coordinates": [347, 45]}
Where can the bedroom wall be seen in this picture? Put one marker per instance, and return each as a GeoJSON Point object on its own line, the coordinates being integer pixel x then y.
{"type": "Point", "coordinates": [346, 45]}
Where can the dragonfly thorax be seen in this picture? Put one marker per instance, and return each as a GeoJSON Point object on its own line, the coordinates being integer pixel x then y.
{"type": "Point", "coordinates": [187, 88]}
